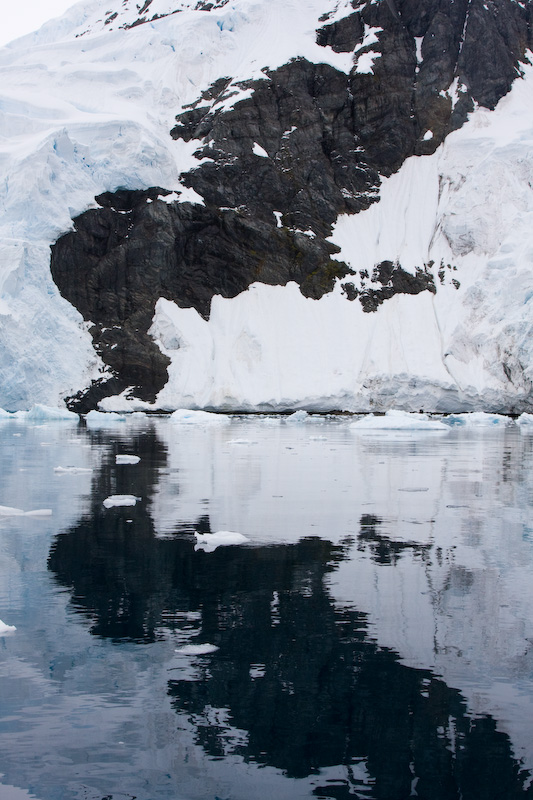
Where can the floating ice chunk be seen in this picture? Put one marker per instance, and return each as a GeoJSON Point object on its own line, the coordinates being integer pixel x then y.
{"type": "Point", "coordinates": [119, 500]}
{"type": "Point", "coordinates": [479, 419]}
{"type": "Point", "coordinates": [40, 413]}
{"type": "Point", "coordinates": [184, 416]}
{"type": "Point", "coordinates": [6, 628]}
{"type": "Point", "coordinates": [197, 649]}
{"type": "Point", "coordinates": [127, 459]}
{"type": "Point", "coordinates": [8, 511]}
{"type": "Point", "coordinates": [72, 470]}
{"type": "Point", "coordinates": [398, 421]}
{"type": "Point", "coordinates": [525, 420]}
{"type": "Point", "coordinates": [297, 418]}
{"type": "Point", "coordinates": [5, 415]}
{"type": "Point", "coordinates": [240, 441]}
{"type": "Point", "coordinates": [210, 541]}
{"type": "Point", "coordinates": [100, 419]}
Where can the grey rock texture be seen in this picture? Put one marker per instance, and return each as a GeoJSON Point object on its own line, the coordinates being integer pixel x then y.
{"type": "Point", "coordinates": [326, 140]}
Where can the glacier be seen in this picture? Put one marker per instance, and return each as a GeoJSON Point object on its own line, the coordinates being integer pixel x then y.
{"type": "Point", "coordinates": [86, 106]}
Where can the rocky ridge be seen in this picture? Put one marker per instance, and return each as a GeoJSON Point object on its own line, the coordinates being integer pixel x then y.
{"type": "Point", "coordinates": [279, 159]}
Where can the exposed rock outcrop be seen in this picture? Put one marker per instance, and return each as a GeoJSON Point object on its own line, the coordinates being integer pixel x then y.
{"type": "Point", "coordinates": [279, 159]}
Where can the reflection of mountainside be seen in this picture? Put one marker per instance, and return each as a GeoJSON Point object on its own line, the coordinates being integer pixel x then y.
{"type": "Point", "coordinates": [442, 554]}
{"type": "Point", "coordinates": [297, 683]}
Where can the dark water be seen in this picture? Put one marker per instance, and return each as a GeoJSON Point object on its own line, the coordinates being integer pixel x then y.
{"type": "Point", "coordinates": [373, 639]}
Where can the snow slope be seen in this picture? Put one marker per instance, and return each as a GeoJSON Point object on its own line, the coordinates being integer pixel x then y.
{"type": "Point", "coordinates": [86, 106]}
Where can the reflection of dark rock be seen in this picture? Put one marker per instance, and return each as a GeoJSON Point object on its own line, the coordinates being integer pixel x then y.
{"type": "Point", "coordinates": [297, 676]}
{"type": "Point", "coordinates": [327, 138]}
{"type": "Point", "coordinates": [108, 562]}
{"type": "Point", "coordinates": [383, 549]}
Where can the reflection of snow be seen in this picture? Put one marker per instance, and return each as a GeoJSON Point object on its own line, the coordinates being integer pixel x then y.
{"type": "Point", "coordinates": [210, 541]}
{"type": "Point", "coordinates": [441, 551]}
{"type": "Point", "coordinates": [437, 550]}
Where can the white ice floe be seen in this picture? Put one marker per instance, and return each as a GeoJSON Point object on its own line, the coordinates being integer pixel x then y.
{"type": "Point", "coordinates": [525, 420]}
{"type": "Point", "coordinates": [397, 421]}
{"type": "Point", "coordinates": [72, 470]}
{"type": "Point", "coordinates": [6, 628]}
{"type": "Point", "coordinates": [479, 419]}
{"type": "Point", "coordinates": [127, 459]}
{"type": "Point", "coordinates": [184, 416]}
{"type": "Point", "coordinates": [119, 500]}
{"type": "Point", "coordinates": [101, 419]}
{"type": "Point", "coordinates": [297, 418]}
{"type": "Point", "coordinates": [41, 413]}
{"type": "Point", "coordinates": [210, 541]}
{"type": "Point", "coordinates": [197, 649]}
{"type": "Point", "coordinates": [9, 511]}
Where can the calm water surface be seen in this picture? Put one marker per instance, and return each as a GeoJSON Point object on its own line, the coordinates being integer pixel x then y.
{"type": "Point", "coordinates": [374, 636]}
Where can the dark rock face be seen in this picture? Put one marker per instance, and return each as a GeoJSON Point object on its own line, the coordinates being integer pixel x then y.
{"type": "Point", "coordinates": [391, 279]}
{"type": "Point", "coordinates": [293, 152]}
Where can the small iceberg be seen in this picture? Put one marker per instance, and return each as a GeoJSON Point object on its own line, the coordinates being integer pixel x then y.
{"type": "Point", "coordinates": [120, 500]}
{"type": "Point", "coordinates": [6, 628]}
{"type": "Point", "coordinates": [398, 421]}
{"type": "Point", "coordinates": [479, 419]}
{"type": "Point", "coordinates": [197, 649]}
{"type": "Point", "coordinates": [40, 413]}
{"type": "Point", "coordinates": [210, 541]}
{"type": "Point", "coordinates": [525, 421]}
{"type": "Point", "coordinates": [185, 416]}
{"type": "Point", "coordinates": [108, 419]}
{"type": "Point", "coordinates": [9, 511]}
{"type": "Point", "coordinates": [100, 419]}
{"type": "Point", "coordinates": [72, 470]}
{"type": "Point", "coordinates": [297, 418]}
{"type": "Point", "coordinates": [126, 459]}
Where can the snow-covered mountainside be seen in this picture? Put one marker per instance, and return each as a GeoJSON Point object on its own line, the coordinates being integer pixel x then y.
{"type": "Point", "coordinates": [262, 205]}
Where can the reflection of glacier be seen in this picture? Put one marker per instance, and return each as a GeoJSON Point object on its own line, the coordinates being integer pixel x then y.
{"type": "Point", "coordinates": [360, 546]}
{"type": "Point", "coordinates": [457, 598]}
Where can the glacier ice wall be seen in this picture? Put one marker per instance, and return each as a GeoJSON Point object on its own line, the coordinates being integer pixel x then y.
{"type": "Point", "coordinates": [86, 106]}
